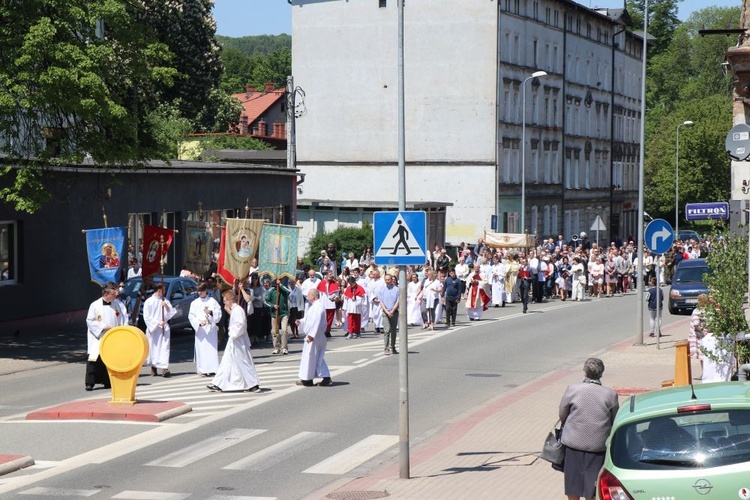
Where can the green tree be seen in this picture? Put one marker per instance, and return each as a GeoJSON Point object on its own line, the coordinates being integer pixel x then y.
{"type": "Point", "coordinates": [76, 79]}
{"type": "Point", "coordinates": [238, 70]}
{"type": "Point", "coordinates": [188, 29]}
{"type": "Point", "coordinates": [344, 239]}
{"type": "Point", "coordinates": [259, 44]}
{"type": "Point", "coordinates": [272, 68]}
{"type": "Point", "coordinates": [727, 285]}
{"type": "Point", "coordinates": [662, 20]}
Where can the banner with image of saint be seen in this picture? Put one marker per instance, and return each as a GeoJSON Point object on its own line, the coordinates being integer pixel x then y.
{"type": "Point", "coordinates": [105, 248]}
{"type": "Point", "coordinates": [156, 243]}
{"type": "Point", "coordinates": [277, 256]}
{"type": "Point", "coordinates": [198, 241]}
{"type": "Point", "coordinates": [240, 245]}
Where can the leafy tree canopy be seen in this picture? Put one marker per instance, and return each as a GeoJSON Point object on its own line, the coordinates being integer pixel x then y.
{"type": "Point", "coordinates": [344, 239]}
{"type": "Point", "coordinates": [255, 60]}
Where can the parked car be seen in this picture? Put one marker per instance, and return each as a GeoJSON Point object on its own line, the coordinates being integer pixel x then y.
{"type": "Point", "coordinates": [687, 284]}
{"type": "Point", "coordinates": [180, 292]}
{"type": "Point", "coordinates": [688, 234]}
{"type": "Point", "coordinates": [673, 443]}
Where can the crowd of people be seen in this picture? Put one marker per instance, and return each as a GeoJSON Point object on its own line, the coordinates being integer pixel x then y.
{"type": "Point", "coordinates": [354, 294]}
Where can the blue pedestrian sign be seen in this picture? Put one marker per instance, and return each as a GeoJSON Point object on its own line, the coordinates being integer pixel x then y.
{"type": "Point", "coordinates": [659, 236]}
{"type": "Point", "coordinates": [400, 238]}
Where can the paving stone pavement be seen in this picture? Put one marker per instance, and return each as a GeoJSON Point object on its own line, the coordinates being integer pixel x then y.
{"type": "Point", "coordinates": [491, 451]}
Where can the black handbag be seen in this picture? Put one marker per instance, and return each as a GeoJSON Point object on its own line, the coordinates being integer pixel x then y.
{"type": "Point", "coordinates": [553, 450]}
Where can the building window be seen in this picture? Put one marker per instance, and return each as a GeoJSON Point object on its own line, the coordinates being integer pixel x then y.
{"type": "Point", "coordinates": [546, 227]}
{"type": "Point", "coordinates": [535, 165]}
{"type": "Point", "coordinates": [8, 253]}
{"type": "Point", "coordinates": [554, 220]}
{"type": "Point", "coordinates": [534, 229]}
{"type": "Point", "coordinates": [382, 3]}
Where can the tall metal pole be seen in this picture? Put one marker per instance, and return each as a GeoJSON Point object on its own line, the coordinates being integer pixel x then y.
{"type": "Point", "coordinates": [642, 155]}
{"type": "Point", "coordinates": [523, 155]}
{"type": "Point", "coordinates": [677, 183]}
{"type": "Point", "coordinates": [403, 360]}
{"type": "Point", "coordinates": [536, 74]}
{"type": "Point", "coordinates": [677, 187]}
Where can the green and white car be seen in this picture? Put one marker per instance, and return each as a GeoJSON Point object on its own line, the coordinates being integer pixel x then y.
{"type": "Point", "coordinates": [680, 443]}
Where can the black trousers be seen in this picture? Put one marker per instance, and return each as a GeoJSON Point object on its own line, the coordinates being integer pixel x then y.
{"type": "Point", "coordinates": [96, 373]}
{"type": "Point", "coordinates": [451, 308]}
{"type": "Point", "coordinates": [523, 289]}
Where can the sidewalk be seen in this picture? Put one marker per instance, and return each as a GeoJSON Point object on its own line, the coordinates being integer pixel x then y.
{"type": "Point", "coordinates": [492, 451]}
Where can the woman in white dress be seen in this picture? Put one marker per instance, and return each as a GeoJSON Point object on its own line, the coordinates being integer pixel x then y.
{"type": "Point", "coordinates": [237, 370]}
{"type": "Point", "coordinates": [413, 311]}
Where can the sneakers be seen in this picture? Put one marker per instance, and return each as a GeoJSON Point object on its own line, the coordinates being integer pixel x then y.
{"type": "Point", "coordinates": [326, 382]}
{"type": "Point", "coordinates": [275, 351]}
{"type": "Point", "coordinates": [348, 336]}
{"type": "Point", "coordinates": [253, 389]}
{"type": "Point", "coordinates": [305, 383]}
{"type": "Point", "coordinates": [154, 373]}
{"type": "Point", "coordinates": [285, 351]}
{"type": "Point", "coordinates": [394, 351]}
{"type": "Point", "coordinates": [214, 388]}
{"type": "Point", "coordinates": [166, 374]}
{"type": "Point", "coordinates": [387, 352]}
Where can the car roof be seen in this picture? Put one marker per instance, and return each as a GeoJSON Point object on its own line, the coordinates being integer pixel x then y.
{"type": "Point", "coordinates": [727, 395]}
{"type": "Point", "coordinates": [693, 263]}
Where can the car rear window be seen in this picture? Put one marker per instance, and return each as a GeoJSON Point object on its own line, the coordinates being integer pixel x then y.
{"type": "Point", "coordinates": [689, 441]}
{"type": "Point", "coordinates": [690, 274]}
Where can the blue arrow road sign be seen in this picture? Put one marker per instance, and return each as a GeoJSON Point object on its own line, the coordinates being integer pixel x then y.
{"type": "Point", "coordinates": [400, 238]}
{"type": "Point", "coordinates": [659, 236]}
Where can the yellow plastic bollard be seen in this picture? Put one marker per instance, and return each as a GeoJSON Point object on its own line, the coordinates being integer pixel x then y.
{"type": "Point", "coordinates": [124, 350]}
{"type": "Point", "coordinates": [682, 369]}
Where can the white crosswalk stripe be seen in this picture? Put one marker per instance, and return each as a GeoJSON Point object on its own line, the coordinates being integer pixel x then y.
{"type": "Point", "coordinates": [205, 448]}
{"type": "Point", "coordinates": [354, 456]}
{"type": "Point", "coordinates": [280, 451]}
{"type": "Point", "coordinates": [59, 492]}
{"type": "Point", "coordinates": [151, 495]}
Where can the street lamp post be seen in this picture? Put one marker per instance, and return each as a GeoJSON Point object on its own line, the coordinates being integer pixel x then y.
{"type": "Point", "coordinates": [536, 74]}
{"type": "Point", "coordinates": [687, 123]}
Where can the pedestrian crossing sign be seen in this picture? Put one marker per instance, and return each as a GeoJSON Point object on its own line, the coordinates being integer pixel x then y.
{"type": "Point", "coordinates": [400, 238]}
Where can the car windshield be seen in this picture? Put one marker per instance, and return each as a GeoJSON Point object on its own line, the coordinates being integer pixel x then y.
{"type": "Point", "coordinates": [132, 287]}
{"type": "Point", "coordinates": [690, 274]}
{"type": "Point", "coordinates": [693, 441]}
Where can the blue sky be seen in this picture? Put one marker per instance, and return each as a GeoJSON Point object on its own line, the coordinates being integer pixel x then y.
{"type": "Point", "coordinates": [237, 18]}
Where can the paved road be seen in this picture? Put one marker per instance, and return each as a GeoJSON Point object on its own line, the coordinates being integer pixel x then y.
{"type": "Point", "coordinates": [289, 441]}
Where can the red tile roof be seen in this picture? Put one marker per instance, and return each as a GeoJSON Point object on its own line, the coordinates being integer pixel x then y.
{"type": "Point", "coordinates": [255, 103]}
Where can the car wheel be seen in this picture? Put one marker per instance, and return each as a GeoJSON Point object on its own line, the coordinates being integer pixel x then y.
{"type": "Point", "coordinates": [673, 310]}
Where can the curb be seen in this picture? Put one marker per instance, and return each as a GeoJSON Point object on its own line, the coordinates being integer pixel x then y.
{"type": "Point", "coordinates": [12, 463]}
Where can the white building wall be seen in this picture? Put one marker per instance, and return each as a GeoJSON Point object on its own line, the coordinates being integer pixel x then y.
{"type": "Point", "coordinates": [345, 59]}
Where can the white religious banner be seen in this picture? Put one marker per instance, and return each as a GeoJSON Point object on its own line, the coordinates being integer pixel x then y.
{"type": "Point", "coordinates": [197, 241]}
{"type": "Point", "coordinates": [241, 245]}
{"type": "Point", "coordinates": [508, 240]}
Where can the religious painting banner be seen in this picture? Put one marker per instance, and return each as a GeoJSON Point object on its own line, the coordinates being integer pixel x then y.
{"type": "Point", "coordinates": [509, 240]}
{"type": "Point", "coordinates": [277, 256]}
{"type": "Point", "coordinates": [241, 245]}
{"type": "Point", "coordinates": [104, 248]}
{"type": "Point", "coordinates": [197, 243]}
{"type": "Point", "coordinates": [156, 243]}
{"type": "Point", "coordinates": [226, 275]}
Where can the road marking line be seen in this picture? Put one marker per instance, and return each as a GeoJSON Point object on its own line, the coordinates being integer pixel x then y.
{"type": "Point", "coordinates": [360, 361]}
{"type": "Point", "coordinates": [44, 464]}
{"type": "Point", "coordinates": [346, 460]}
{"type": "Point", "coordinates": [151, 495]}
{"type": "Point", "coordinates": [280, 451]}
{"type": "Point", "coordinates": [229, 497]}
{"type": "Point", "coordinates": [59, 492]}
{"type": "Point", "coordinates": [202, 449]}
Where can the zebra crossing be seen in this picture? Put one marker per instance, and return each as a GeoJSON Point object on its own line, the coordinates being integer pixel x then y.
{"type": "Point", "coordinates": [278, 374]}
{"type": "Point", "coordinates": [207, 453]}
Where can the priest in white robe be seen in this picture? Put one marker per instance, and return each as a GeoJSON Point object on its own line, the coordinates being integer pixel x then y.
{"type": "Point", "coordinates": [476, 296]}
{"type": "Point", "coordinates": [157, 311]}
{"type": "Point", "coordinates": [204, 317]}
{"type": "Point", "coordinates": [313, 327]}
{"type": "Point", "coordinates": [374, 287]}
{"type": "Point", "coordinates": [237, 370]}
{"type": "Point", "coordinates": [499, 271]}
{"type": "Point", "coordinates": [104, 314]}
{"type": "Point", "coordinates": [311, 283]}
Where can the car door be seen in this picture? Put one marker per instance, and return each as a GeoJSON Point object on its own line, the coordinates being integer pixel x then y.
{"type": "Point", "coordinates": [177, 299]}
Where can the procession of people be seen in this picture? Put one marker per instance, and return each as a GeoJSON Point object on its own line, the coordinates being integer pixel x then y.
{"type": "Point", "coordinates": [358, 296]}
